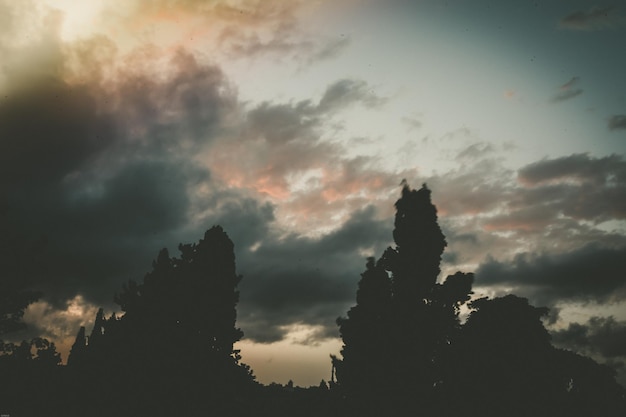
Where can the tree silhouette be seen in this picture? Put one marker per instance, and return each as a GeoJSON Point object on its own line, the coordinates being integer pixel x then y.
{"type": "Point", "coordinates": [414, 262]}
{"type": "Point", "coordinates": [19, 263]}
{"type": "Point", "coordinates": [405, 350]}
{"type": "Point", "coordinates": [503, 357]}
{"type": "Point", "coordinates": [404, 321]}
{"type": "Point", "coordinates": [367, 342]}
{"type": "Point", "coordinates": [30, 363]}
{"type": "Point", "coordinates": [174, 344]}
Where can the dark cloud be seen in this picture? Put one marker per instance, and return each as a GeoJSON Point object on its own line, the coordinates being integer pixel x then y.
{"type": "Point", "coordinates": [589, 273]}
{"type": "Point", "coordinates": [296, 279]}
{"type": "Point", "coordinates": [596, 18]}
{"type": "Point", "coordinates": [109, 165]}
{"type": "Point", "coordinates": [578, 167]}
{"type": "Point", "coordinates": [105, 175]}
{"type": "Point", "coordinates": [578, 186]}
{"type": "Point", "coordinates": [603, 335]}
{"type": "Point", "coordinates": [617, 121]}
{"type": "Point", "coordinates": [47, 131]}
{"type": "Point", "coordinates": [247, 220]}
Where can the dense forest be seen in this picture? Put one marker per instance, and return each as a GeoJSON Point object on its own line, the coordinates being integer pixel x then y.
{"type": "Point", "coordinates": [405, 351]}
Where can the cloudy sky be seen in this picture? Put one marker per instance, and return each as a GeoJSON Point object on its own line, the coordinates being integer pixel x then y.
{"type": "Point", "coordinates": [127, 126]}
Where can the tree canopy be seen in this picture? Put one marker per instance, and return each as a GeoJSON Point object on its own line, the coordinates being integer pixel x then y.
{"type": "Point", "coordinates": [405, 349]}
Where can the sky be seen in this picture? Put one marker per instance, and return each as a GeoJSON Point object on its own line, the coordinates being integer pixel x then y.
{"type": "Point", "coordinates": [130, 126]}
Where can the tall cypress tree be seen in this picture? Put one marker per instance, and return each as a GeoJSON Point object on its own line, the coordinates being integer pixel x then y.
{"type": "Point", "coordinates": [418, 317]}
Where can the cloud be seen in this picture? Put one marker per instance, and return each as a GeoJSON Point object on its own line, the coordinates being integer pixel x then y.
{"type": "Point", "coordinates": [580, 168]}
{"type": "Point", "coordinates": [281, 152]}
{"type": "Point", "coordinates": [603, 335]}
{"type": "Point", "coordinates": [576, 187]}
{"type": "Point", "coordinates": [109, 157]}
{"type": "Point", "coordinates": [347, 91]}
{"type": "Point", "coordinates": [590, 273]}
{"type": "Point", "coordinates": [253, 29]}
{"type": "Point", "coordinates": [617, 121]}
{"type": "Point", "coordinates": [568, 91]}
{"type": "Point", "coordinates": [596, 18]}
{"type": "Point", "coordinates": [317, 284]}
{"type": "Point", "coordinates": [479, 187]}
{"type": "Point", "coordinates": [104, 172]}
{"type": "Point", "coordinates": [58, 324]}
{"type": "Point", "coordinates": [475, 151]}
{"type": "Point", "coordinates": [550, 207]}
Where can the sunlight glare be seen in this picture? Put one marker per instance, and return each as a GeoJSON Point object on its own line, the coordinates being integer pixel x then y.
{"type": "Point", "coordinates": [79, 17]}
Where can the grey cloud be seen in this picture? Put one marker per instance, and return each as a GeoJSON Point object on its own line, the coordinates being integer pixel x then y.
{"type": "Point", "coordinates": [105, 176]}
{"type": "Point", "coordinates": [281, 123]}
{"type": "Point", "coordinates": [579, 167]}
{"type": "Point", "coordinates": [144, 196]}
{"type": "Point", "coordinates": [476, 188]}
{"type": "Point", "coordinates": [596, 18]}
{"type": "Point", "coordinates": [588, 273]}
{"type": "Point", "coordinates": [296, 279]}
{"type": "Point", "coordinates": [245, 219]}
{"type": "Point", "coordinates": [475, 151]}
{"type": "Point", "coordinates": [577, 186]}
{"type": "Point", "coordinates": [285, 122]}
{"type": "Point", "coordinates": [556, 204]}
{"type": "Point", "coordinates": [346, 91]}
{"type": "Point", "coordinates": [305, 114]}
{"type": "Point", "coordinates": [617, 122]}
{"type": "Point", "coordinates": [47, 131]}
{"type": "Point", "coordinates": [603, 335]}
{"type": "Point", "coordinates": [278, 142]}
{"type": "Point", "coordinates": [187, 107]}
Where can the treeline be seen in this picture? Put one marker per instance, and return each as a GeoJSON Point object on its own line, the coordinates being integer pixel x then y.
{"type": "Point", "coordinates": [405, 350]}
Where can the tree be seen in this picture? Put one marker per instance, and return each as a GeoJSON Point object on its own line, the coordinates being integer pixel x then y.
{"type": "Point", "coordinates": [404, 321]}
{"type": "Point", "coordinates": [19, 263]}
{"type": "Point", "coordinates": [174, 343]}
{"type": "Point", "coordinates": [414, 262]}
{"type": "Point", "coordinates": [503, 357]}
{"type": "Point", "coordinates": [367, 342]}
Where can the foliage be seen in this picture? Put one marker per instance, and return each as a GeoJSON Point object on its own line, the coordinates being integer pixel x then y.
{"type": "Point", "coordinates": [175, 339]}
{"type": "Point", "coordinates": [406, 352]}
{"type": "Point", "coordinates": [403, 321]}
